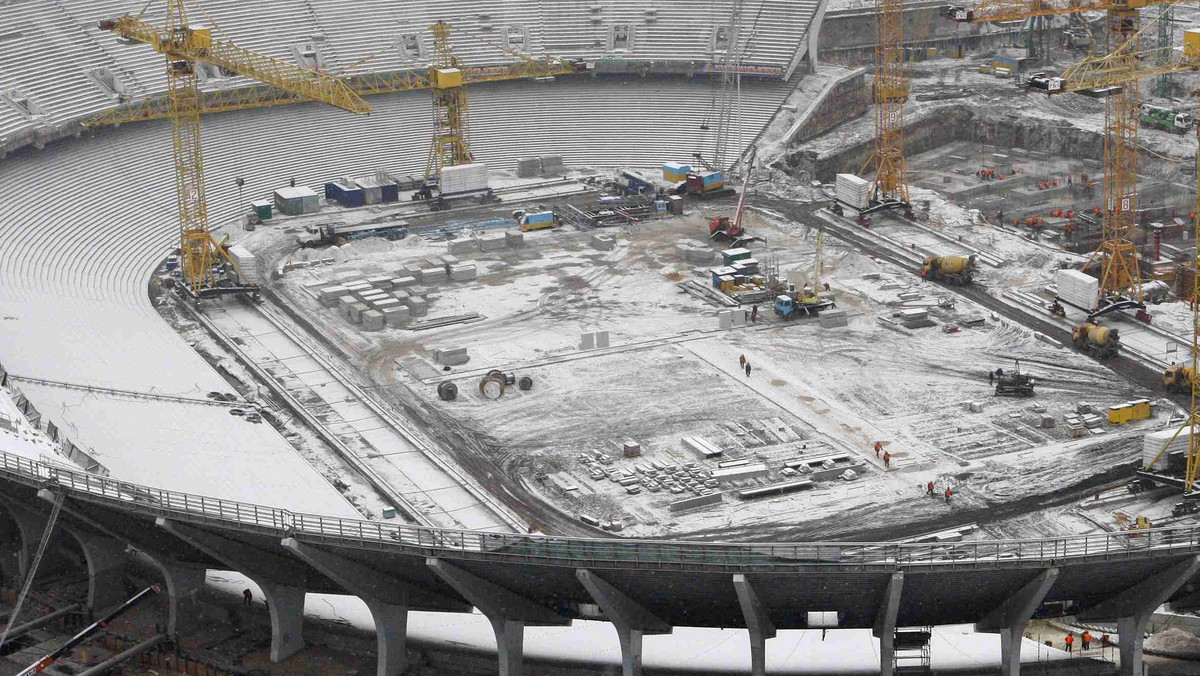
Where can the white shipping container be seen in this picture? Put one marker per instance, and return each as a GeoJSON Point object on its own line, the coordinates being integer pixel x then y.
{"type": "Point", "coordinates": [853, 190]}
{"type": "Point", "coordinates": [1077, 288]}
{"type": "Point", "coordinates": [1153, 443]}
{"type": "Point", "coordinates": [245, 262]}
{"type": "Point", "coordinates": [464, 178]}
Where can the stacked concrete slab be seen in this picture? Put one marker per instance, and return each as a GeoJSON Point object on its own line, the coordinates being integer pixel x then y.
{"type": "Point", "coordinates": [603, 242]}
{"type": "Point", "coordinates": [461, 245]}
{"type": "Point", "coordinates": [450, 356]}
{"type": "Point", "coordinates": [494, 242]}
{"type": "Point", "coordinates": [462, 272]}
{"type": "Point", "coordinates": [514, 239]}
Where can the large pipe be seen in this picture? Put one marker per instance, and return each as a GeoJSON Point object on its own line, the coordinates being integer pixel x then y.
{"type": "Point", "coordinates": [121, 657]}
{"type": "Point", "coordinates": [34, 624]}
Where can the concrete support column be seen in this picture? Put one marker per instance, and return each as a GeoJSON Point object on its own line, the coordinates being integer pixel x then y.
{"type": "Point", "coordinates": [106, 566]}
{"type": "Point", "coordinates": [184, 584]}
{"type": "Point", "coordinates": [388, 599]}
{"type": "Point", "coordinates": [758, 623]}
{"type": "Point", "coordinates": [1134, 606]}
{"type": "Point", "coordinates": [628, 617]}
{"type": "Point", "coordinates": [1011, 617]}
{"type": "Point", "coordinates": [508, 612]}
{"type": "Point", "coordinates": [885, 623]}
{"type": "Point", "coordinates": [285, 600]}
{"type": "Point", "coordinates": [32, 526]}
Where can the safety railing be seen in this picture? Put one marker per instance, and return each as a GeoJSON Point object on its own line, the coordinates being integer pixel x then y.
{"type": "Point", "coordinates": [550, 550]}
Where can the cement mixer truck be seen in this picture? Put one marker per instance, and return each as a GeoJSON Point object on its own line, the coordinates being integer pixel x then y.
{"type": "Point", "coordinates": [1098, 341]}
{"type": "Point", "coordinates": [1178, 378]}
{"type": "Point", "coordinates": [957, 270]}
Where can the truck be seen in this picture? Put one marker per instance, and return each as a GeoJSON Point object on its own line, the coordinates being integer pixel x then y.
{"type": "Point", "coordinates": [1166, 119]}
{"type": "Point", "coordinates": [956, 270]}
{"type": "Point", "coordinates": [1178, 378]}
{"type": "Point", "coordinates": [706, 185]}
{"type": "Point", "coordinates": [535, 220]}
{"type": "Point", "coordinates": [1099, 342]}
{"type": "Point", "coordinates": [806, 302]}
{"type": "Point", "coordinates": [327, 235]}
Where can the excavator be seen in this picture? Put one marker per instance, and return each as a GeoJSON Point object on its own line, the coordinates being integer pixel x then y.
{"type": "Point", "coordinates": [1178, 378]}
{"type": "Point", "coordinates": [730, 230]}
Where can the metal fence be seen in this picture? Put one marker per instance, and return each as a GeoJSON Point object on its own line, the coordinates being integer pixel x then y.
{"type": "Point", "coordinates": [549, 550]}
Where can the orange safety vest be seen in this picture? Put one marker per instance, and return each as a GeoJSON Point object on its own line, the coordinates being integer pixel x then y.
{"type": "Point", "coordinates": [1070, 639]}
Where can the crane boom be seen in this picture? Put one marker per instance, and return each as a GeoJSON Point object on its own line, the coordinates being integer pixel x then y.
{"type": "Point", "coordinates": [41, 665]}
{"type": "Point", "coordinates": [197, 45]}
{"type": "Point", "coordinates": [741, 207]}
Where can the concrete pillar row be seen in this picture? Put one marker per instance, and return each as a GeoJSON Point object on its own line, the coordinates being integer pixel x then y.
{"type": "Point", "coordinates": [758, 623]}
{"type": "Point", "coordinates": [1134, 607]}
{"type": "Point", "coordinates": [628, 617]}
{"type": "Point", "coordinates": [1012, 616]}
{"type": "Point", "coordinates": [285, 600]}
{"type": "Point", "coordinates": [885, 623]}
{"type": "Point", "coordinates": [507, 612]}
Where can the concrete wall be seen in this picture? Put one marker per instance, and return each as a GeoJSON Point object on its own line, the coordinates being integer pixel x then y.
{"type": "Point", "coordinates": [847, 99]}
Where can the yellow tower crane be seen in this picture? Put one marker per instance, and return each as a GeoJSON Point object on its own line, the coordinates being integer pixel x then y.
{"type": "Point", "coordinates": [890, 92]}
{"type": "Point", "coordinates": [451, 140]}
{"type": "Point", "coordinates": [1121, 67]}
{"type": "Point", "coordinates": [1119, 271]}
{"type": "Point", "coordinates": [183, 47]}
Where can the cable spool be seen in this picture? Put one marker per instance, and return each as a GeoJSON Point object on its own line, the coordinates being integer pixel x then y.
{"type": "Point", "coordinates": [491, 387]}
{"type": "Point", "coordinates": [525, 383]}
{"type": "Point", "coordinates": [447, 390]}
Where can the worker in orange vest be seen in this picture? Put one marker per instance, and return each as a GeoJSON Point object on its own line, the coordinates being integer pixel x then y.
{"type": "Point", "coordinates": [948, 493]}
{"type": "Point", "coordinates": [1069, 641]}
{"type": "Point", "coordinates": [878, 448]}
{"type": "Point", "coordinates": [1086, 640]}
{"type": "Point", "coordinates": [887, 459]}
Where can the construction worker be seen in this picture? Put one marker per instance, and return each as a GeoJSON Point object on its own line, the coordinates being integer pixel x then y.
{"type": "Point", "coordinates": [827, 287]}
{"type": "Point", "coordinates": [1105, 641]}
{"type": "Point", "coordinates": [1069, 641]}
{"type": "Point", "coordinates": [1068, 180]}
{"type": "Point", "coordinates": [247, 597]}
{"type": "Point", "coordinates": [754, 315]}
{"type": "Point", "coordinates": [991, 377]}
{"type": "Point", "coordinates": [948, 494]}
{"type": "Point", "coordinates": [929, 488]}
{"type": "Point", "coordinates": [878, 448]}
{"type": "Point", "coordinates": [742, 361]}
{"type": "Point", "coordinates": [887, 459]}
{"type": "Point", "coordinates": [293, 183]}
{"type": "Point", "coordinates": [747, 369]}
{"type": "Point", "coordinates": [1086, 640]}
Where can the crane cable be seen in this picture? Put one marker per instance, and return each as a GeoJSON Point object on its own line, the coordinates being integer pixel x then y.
{"type": "Point", "coordinates": [58, 502]}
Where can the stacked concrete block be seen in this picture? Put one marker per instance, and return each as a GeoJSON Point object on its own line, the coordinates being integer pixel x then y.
{"type": "Point", "coordinates": [739, 316]}
{"type": "Point", "coordinates": [433, 275]}
{"type": "Point", "coordinates": [492, 242]}
{"type": "Point", "coordinates": [344, 303]}
{"type": "Point", "coordinates": [356, 313]}
{"type": "Point", "coordinates": [386, 303]}
{"type": "Point", "coordinates": [587, 341]}
{"type": "Point", "coordinates": [725, 319]}
{"type": "Point", "coordinates": [383, 283]}
{"type": "Point", "coordinates": [450, 356]}
{"type": "Point", "coordinates": [395, 317]}
{"type": "Point", "coordinates": [331, 294]}
{"type": "Point", "coordinates": [372, 295]}
{"type": "Point", "coordinates": [603, 242]}
{"type": "Point", "coordinates": [372, 320]}
{"type": "Point", "coordinates": [601, 339]}
{"type": "Point", "coordinates": [462, 272]}
{"type": "Point", "coordinates": [412, 270]}
{"type": "Point", "coordinates": [514, 239]}
{"type": "Point", "coordinates": [831, 319]}
{"type": "Point", "coordinates": [417, 306]}
{"type": "Point", "coordinates": [461, 245]}
{"type": "Point", "coordinates": [401, 282]}
{"type": "Point", "coordinates": [447, 262]}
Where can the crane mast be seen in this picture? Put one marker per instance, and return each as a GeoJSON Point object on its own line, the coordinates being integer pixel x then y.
{"type": "Point", "coordinates": [451, 139]}
{"type": "Point", "coordinates": [890, 92]}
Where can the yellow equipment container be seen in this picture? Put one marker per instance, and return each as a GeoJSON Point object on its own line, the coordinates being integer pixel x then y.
{"type": "Point", "coordinates": [1140, 409]}
{"type": "Point", "coordinates": [1119, 415]}
{"type": "Point", "coordinates": [1191, 44]}
{"type": "Point", "coordinates": [674, 178]}
{"type": "Point", "coordinates": [445, 78]}
{"type": "Point", "coordinates": [199, 38]}
{"type": "Point", "coordinates": [931, 52]}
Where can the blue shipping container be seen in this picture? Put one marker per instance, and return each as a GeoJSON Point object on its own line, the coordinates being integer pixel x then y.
{"type": "Point", "coordinates": [540, 217]}
{"type": "Point", "coordinates": [329, 190]}
{"type": "Point", "coordinates": [677, 168]}
{"type": "Point", "coordinates": [351, 197]}
{"type": "Point", "coordinates": [391, 192]}
{"type": "Point", "coordinates": [712, 177]}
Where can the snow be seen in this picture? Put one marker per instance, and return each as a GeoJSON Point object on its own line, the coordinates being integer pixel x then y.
{"type": "Point", "coordinates": [686, 650]}
{"type": "Point", "coordinates": [1174, 640]}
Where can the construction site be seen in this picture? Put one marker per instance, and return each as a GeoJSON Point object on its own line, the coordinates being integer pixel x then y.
{"type": "Point", "coordinates": [886, 272]}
